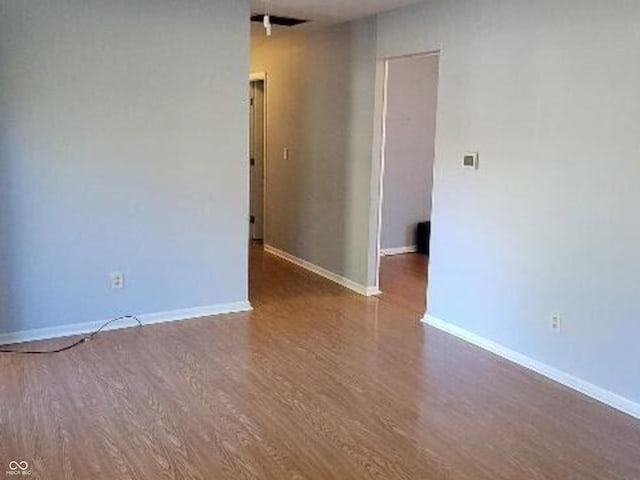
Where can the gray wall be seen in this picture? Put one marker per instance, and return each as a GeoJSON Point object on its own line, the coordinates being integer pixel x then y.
{"type": "Point", "coordinates": [123, 147]}
{"type": "Point", "coordinates": [320, 90]}
{"type": "Point", "coordinates": [412, 92]}
{"type": "Point", "coordinates": [547, 92]}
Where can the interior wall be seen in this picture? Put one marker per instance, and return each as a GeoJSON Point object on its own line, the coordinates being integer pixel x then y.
{"type": "Point", "coordinates": [123, 147]}
{"type": "Point", "coordinates": [412, 92]}
{"type": "Point", "coordinates": [320, 93]}
{"type": "Point", "coordinates": [547, 93]}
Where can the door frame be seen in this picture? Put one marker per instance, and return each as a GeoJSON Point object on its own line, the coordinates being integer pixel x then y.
{"type": "Point", "coordinates": [261, 77]}
{"type": "Point", "coordinates": [379, 149]}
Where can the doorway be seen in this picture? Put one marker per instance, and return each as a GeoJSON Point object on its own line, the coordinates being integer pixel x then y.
{"type": "Point", "coordinates": [257, 156]}
{"type": "Point", "coordinates": [406, 178]}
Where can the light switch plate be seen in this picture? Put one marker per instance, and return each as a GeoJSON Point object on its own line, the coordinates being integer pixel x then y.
{"type": "Point", "coordinates": [470, 160]}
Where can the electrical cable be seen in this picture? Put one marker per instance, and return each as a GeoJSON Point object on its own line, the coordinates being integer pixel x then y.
{"type": "Point", "coordinates": [84, 339]}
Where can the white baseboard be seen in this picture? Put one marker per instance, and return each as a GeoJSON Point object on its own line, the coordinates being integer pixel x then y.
{"type": "Point", "coordinates": [334, 277]}
{"type": "Point", "coordinates": [373, 291]}
{"type": "Point", "coordinates": [388, 252]}
{"type": "Point", "coordinates": [597, 393]}
{"type": "Point", "coordinates": [146, 319]}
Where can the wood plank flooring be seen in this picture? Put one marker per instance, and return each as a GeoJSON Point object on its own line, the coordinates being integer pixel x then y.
{"type": "Point", "coordinates": [403, 281]}
{"type": "Point", "coordinates": [316, 383]}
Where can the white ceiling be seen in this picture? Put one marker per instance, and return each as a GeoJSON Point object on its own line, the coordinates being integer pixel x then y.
{"type": "Point", "coordinates": [328, 11]}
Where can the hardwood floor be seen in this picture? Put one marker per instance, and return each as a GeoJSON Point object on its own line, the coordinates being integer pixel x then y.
{"type": "Point", "coordinates": [403, 281]}
{"type": "Point", "coordinates": [316, 383]}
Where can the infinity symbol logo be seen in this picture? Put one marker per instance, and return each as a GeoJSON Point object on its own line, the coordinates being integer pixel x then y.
{"type": "Point", "coordinates": [24, 466]}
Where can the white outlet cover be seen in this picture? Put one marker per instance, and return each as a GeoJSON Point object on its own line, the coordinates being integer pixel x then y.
{"type": "Point", "coordinates": [117, 280]}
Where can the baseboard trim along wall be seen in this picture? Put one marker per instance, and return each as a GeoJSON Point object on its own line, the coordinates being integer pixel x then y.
{"type": "Point", "coordinates": [334, 277]}
{"type": "Point", "coordinates": [389, 252]}
{"type": "Point", "coordinates": [146, 319]}
{"type": "Point", "coordinates": [597, 393]}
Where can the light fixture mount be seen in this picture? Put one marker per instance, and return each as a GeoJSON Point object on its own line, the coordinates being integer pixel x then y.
{"type": "Point", "coordinates": [266, 21]}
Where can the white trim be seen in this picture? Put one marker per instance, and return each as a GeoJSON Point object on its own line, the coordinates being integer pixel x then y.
{"type": "Point", "coordinates": [334, 277]}
{"type": "Point", "coordinates": [146, 319]}
{"type": "Point", "coordinates": [389, 252]}
{"type": "Point", "coordinates": [597, 393]}
{"type": "Point", "coordinates": [382, 159]}
{"type": "Point", "coordinates": [258, 76]}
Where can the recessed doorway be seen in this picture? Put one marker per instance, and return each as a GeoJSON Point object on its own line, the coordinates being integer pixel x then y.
{"type": "Point", "coordinates": [257, 156]}
{"type": "Point", "coordinates": [406, 179]}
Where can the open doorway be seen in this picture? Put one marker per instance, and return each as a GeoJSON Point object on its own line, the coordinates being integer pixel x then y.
{"type": "Point", "coordinates": [408, 150]}
{"type": "Point", "coordinates": [257, 156]}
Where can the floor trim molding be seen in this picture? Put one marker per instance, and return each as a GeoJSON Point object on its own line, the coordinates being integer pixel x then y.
{"type": "Point", "coordinates": [373, 291]}
{"type": "Point", "coordinates": [597, 393]}
{"type": "Point", "coordinates": [334, 277]}
{"type": "Point", "coordinates": [389, 252]}
{"type": "Point", "coordinates": [146, 319]}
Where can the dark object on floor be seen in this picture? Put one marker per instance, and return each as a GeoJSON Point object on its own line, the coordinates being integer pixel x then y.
{"type": "Point", "coordinates": [424, 237]}
{"type": "Point", "coordinates": [84, 339]}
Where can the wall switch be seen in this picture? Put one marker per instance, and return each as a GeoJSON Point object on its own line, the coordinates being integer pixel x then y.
{"type": "Point", "coordinates": [556, 323]}
{"type": "Point", "coordinates": [470, 160]}
{"type": "Point", "coordinates": [285, 153]}
{"type": "Point", "coordinates": [117, 280]}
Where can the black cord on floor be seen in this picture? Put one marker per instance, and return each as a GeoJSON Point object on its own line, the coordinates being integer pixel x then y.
{"type": "Point", "coordinates": [75, 344]}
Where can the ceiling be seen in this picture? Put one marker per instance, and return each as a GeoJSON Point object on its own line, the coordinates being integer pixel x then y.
{"type": "Point", "coordinates": [328, 11]}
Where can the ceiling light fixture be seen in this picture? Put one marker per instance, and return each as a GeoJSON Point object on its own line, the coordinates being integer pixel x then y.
{"type": "Point", "coordinates": [266, 21]}
{"type": "Point", "coordinates": [267, 25]}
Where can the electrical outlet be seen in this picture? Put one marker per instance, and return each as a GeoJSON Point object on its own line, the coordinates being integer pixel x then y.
{"type": "Point", "coordinates": [556, 323]}
{"type": "Point", "coordinates": [117, 280]}
{"type": "Point", "coordinates": [285, 153]}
